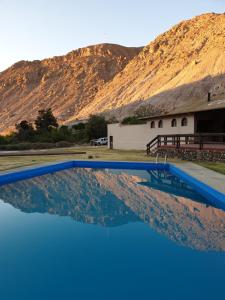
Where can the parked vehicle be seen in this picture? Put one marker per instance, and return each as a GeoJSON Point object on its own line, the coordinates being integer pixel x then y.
{"type": "Point", "coordinates": [99, 142]}
{"type": "Point", "coordinates": [93, 142]}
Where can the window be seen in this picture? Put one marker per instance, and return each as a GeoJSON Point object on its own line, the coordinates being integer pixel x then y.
{"type": "Point", "coordinates": [152, 124]}
{"type": "Point", "coordinates": [184, 122]}
{"type": "Point", "coordinates": [174, 123]}
{"type": "Point", "coordinates": [160, 124]}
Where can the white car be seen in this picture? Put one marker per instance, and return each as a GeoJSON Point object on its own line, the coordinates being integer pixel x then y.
{"type": "Point", "coordinates": [93, 142]}
{"type": "Point", "coordinates": [99, 142]}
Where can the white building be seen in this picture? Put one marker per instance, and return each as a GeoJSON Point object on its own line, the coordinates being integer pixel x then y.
{"type": "Point", "coordinates": [208, 117]}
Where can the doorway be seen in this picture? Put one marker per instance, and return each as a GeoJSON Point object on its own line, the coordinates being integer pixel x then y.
{"type": "Point", "coordinates": [111, 142]}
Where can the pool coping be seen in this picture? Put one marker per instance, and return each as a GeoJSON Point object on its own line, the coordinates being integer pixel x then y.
{"type": "Point", "coordinates": [211, 194]}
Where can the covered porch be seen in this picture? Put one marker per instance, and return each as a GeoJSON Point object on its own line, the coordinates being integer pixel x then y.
{"type": "Point", "coordinates": [209, 134]}
{"type": "Point", "coordinates": [210, 121]}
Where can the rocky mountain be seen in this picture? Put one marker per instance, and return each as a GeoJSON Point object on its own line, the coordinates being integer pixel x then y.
{"type": "Point", "coordinates": [65, 83]}
{"type": "Point", "coordinates": [177, 69]}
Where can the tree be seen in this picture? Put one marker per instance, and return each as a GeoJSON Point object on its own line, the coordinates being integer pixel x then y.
{"type": "Point", "coordinates": [78, 126]}
{"type": "Point", "coordinates": [25, 131]}
{"type": "Point", "coordinates": [45, 120]}
{"type": "Point", "coordinates": [3, 140]}
{"type": "Point", "coordinates": [96, 127]}
{"type": "Point", "coordinates": [64, 133]}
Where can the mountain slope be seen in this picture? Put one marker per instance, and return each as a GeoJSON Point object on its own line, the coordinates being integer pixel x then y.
{"type": "Point", "coordinates": [65, 83]}
{"type": "Point", "coordinates": [176, 69]}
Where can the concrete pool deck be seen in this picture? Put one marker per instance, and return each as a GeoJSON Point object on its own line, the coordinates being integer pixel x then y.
{"type": "Point", "coordinates": [207, 176]}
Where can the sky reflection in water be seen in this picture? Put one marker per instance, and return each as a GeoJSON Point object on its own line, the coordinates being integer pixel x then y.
{"type": "Point", "coordinates": [152, 231]}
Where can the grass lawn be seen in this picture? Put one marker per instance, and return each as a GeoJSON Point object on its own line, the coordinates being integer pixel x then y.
{"type": "Point", "coordinates": [218, 167]}
{"type": "Point", "coordinates": [92, 153]}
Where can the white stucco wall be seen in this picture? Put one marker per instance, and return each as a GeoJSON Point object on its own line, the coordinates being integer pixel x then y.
{"type": "Point", "coordinates": [135, 137]}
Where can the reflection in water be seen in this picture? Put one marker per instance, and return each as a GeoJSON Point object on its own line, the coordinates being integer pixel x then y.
{"type": "Point", "coordinates": [116, 197]}
{"type": "Point", "coordinates": [166, 182]}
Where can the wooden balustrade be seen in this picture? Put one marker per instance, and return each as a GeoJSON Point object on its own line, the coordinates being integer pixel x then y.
{"type": "Point", "coordinates": [198, 141]}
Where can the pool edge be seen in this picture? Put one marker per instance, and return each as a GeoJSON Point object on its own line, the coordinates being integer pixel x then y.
{"type": "Point", "coordinates": [213, 195]}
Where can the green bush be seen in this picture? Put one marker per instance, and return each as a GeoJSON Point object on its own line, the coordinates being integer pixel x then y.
{"type": "Point", "coordinates": [37, 146]}
{"type": "Point", "coordinates": [132, 120]}
{"type": "Point", "coordinates": [34, 146]}
{"type": "Point", "coordinates": [15, 147]}
{"type": "Point", "coordinates": [96, 127]}
{"type": "Point", "coordinates": [80, 136]}
{"type": "Point", "coordinates": [47, 134]}
{"type": "Point", "coordinates": [63, 144]}
{"type": "Point", "coordinates": [2, 140]}
{"type": "Point", "coordinates": [78, 126]}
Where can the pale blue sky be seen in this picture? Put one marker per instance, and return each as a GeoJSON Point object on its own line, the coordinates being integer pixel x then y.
{"type": "Point", "coordinates": [36, 29]}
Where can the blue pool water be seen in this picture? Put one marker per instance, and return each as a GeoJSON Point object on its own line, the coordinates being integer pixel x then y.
{"type": "Point", "coordinates": [109, 234]}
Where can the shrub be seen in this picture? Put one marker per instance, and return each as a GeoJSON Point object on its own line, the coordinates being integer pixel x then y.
{"type": "Point", "coordinates": [132, 120]}
{"type": "Point", "coordinates": [38, 146]}
{"type": "Point", "coordinates": [2, 140]}
{"type": "Point", "coordinates": [63, 144]}
{"type": "Point", "coordinates": [78, 126]}
{"type": "Point", "coordinates": [14, 147]}
{"type": "Point", "coordinates": [80, 136]}
{"type": "Point", "coordinates": [47, 133]}
{"type": "Point", "coordinates": [29, 146]}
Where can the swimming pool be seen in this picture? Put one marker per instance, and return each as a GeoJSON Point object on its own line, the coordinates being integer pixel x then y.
{"type": "Point", "coordinates": [109, 231]}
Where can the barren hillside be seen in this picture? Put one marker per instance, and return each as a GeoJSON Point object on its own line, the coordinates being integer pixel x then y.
{"type": "Point", "coordinates": [65, 83]}
{"type": "Point", "coordinates": [176, 69]}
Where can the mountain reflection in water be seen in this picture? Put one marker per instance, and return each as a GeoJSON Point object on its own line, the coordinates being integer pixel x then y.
{"type": "Point", "coordinates": [116, 197]}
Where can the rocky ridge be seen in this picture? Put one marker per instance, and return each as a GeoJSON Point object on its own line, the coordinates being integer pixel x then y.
{"type": "Point", "coordinates": [65, 83]}
{"type": "Point", "coordinates": [175, 70]}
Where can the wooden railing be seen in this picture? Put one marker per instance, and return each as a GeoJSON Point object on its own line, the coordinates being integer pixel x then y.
{"type": "Point", "coordinates": [181, 140]}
